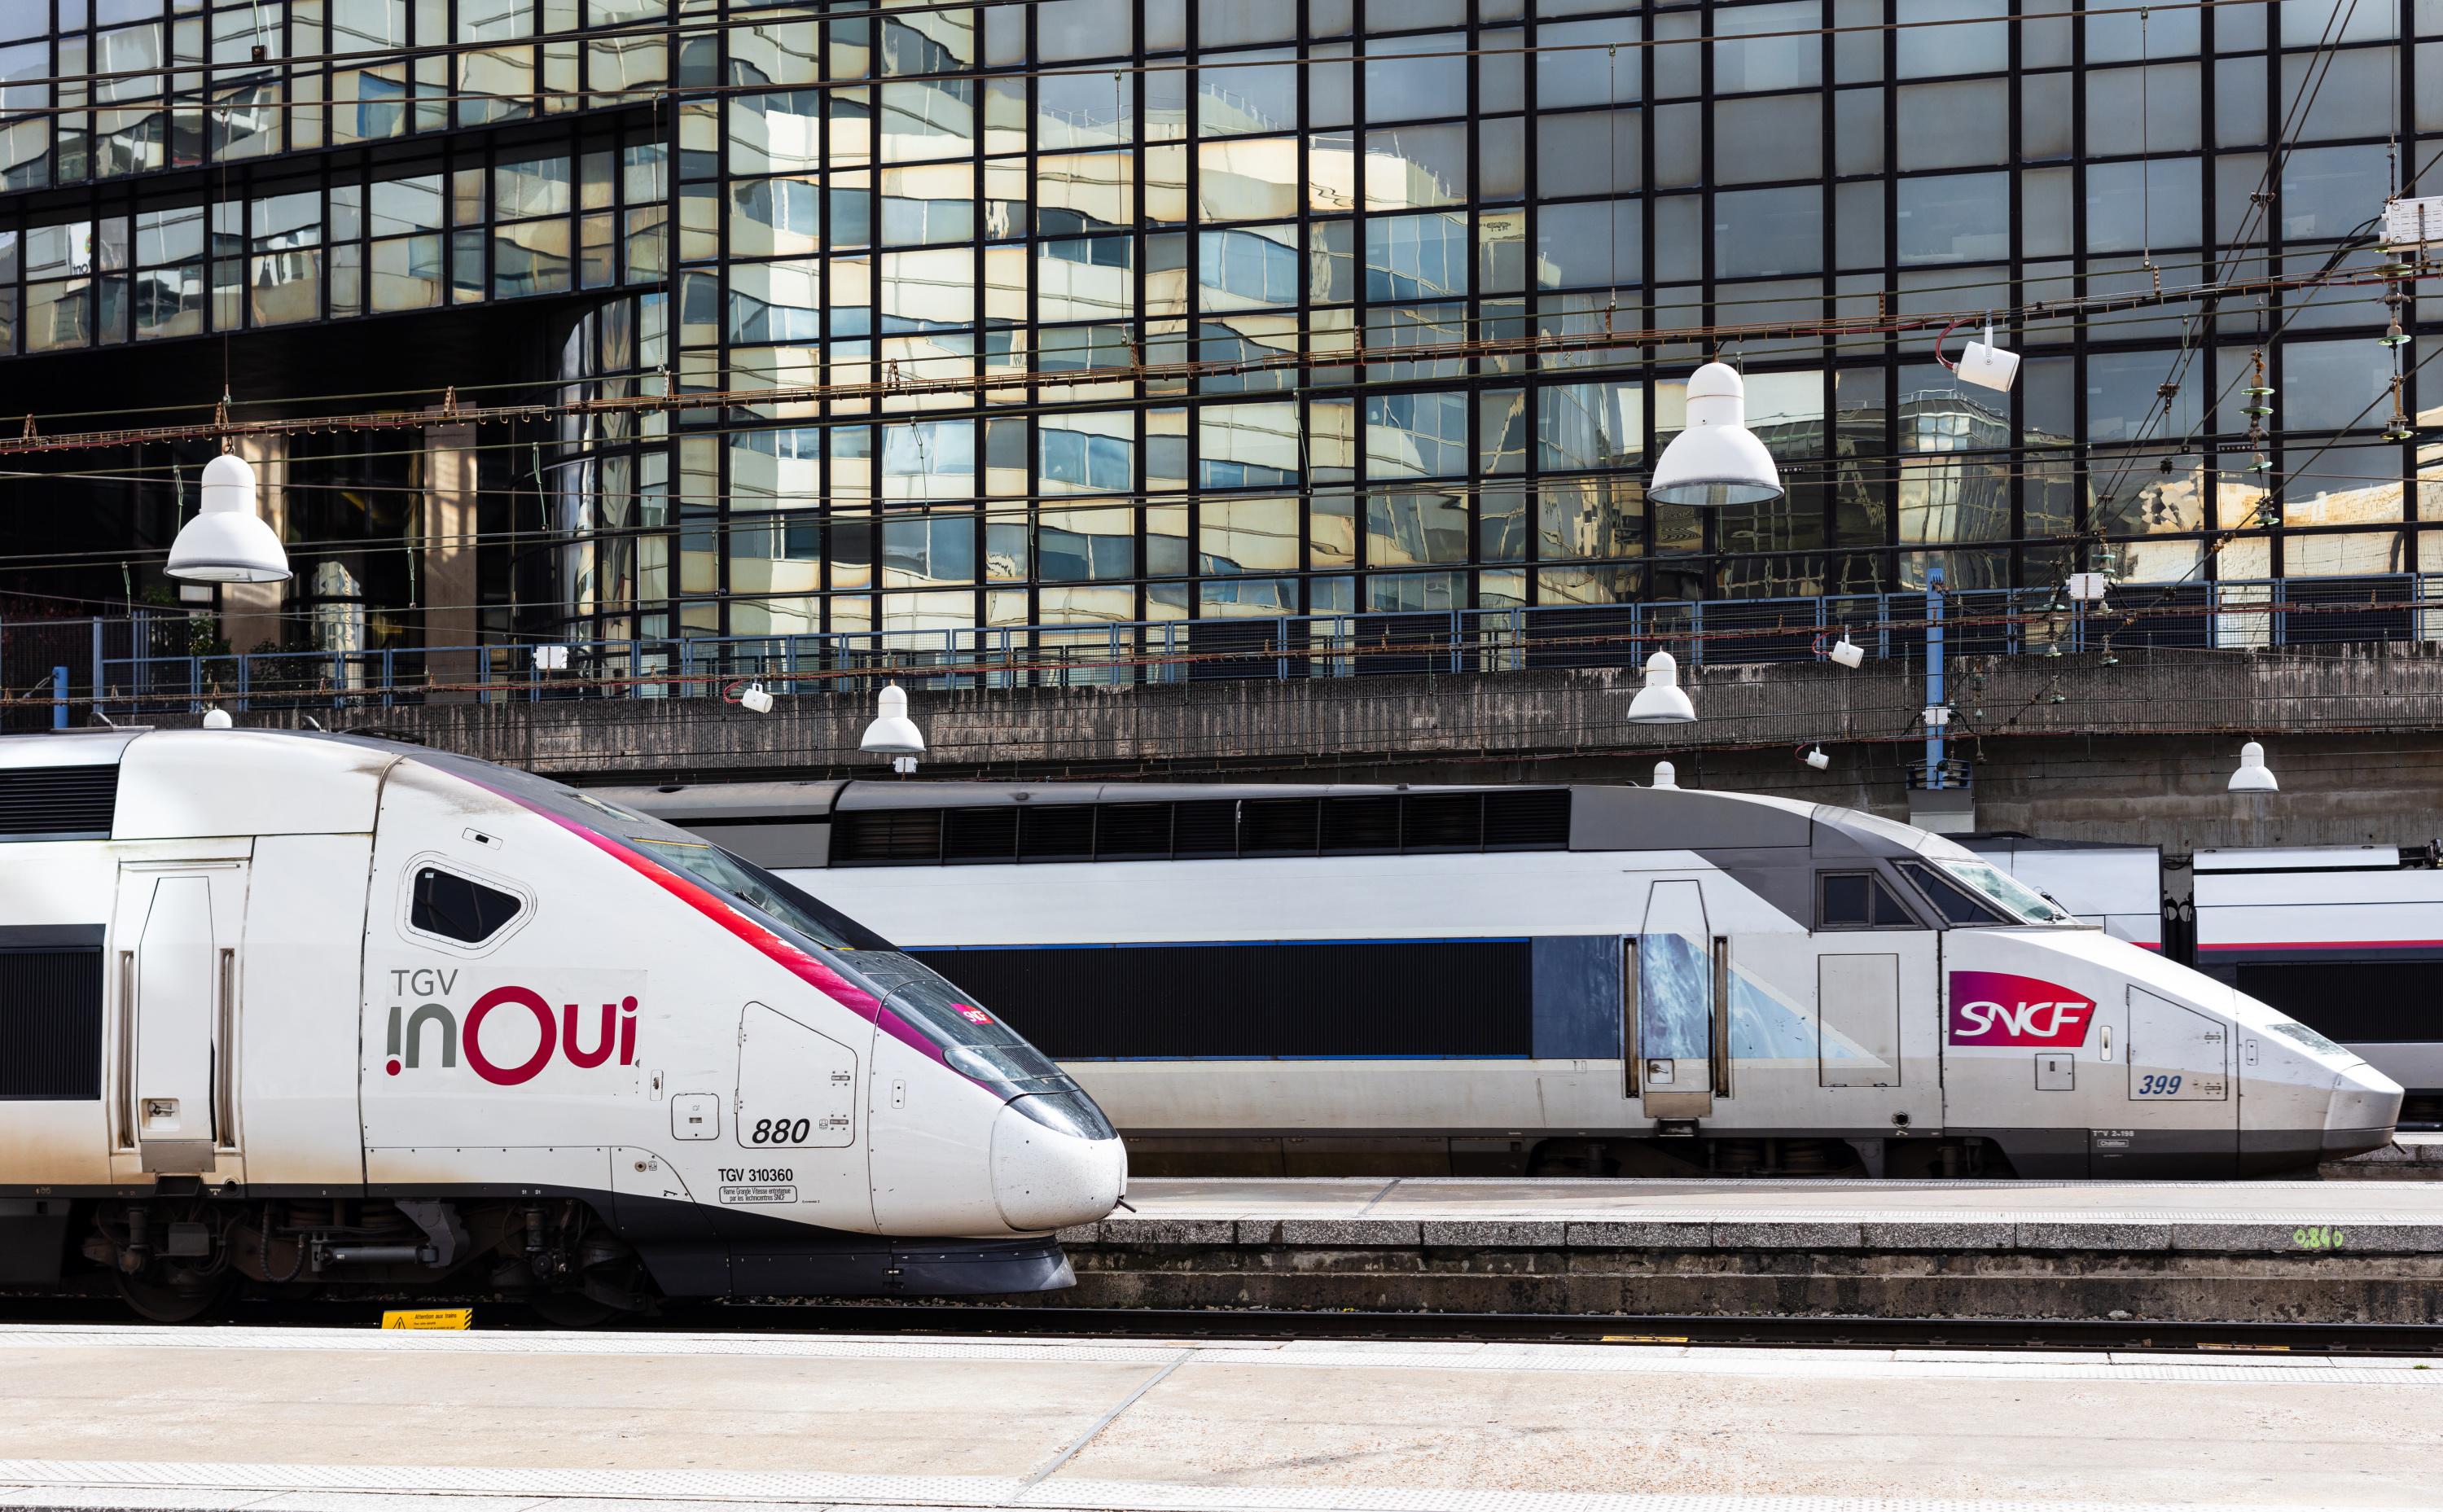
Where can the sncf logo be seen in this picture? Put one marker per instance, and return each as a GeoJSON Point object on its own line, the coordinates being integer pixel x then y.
{"type": "Point", "coordinates": [509, 1034]}
{"type": "Point", "coordinates": [1997, 1008]}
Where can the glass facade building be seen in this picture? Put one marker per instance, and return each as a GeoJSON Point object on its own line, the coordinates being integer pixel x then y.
{"type": "Point", "coordinates": [1142, 310]}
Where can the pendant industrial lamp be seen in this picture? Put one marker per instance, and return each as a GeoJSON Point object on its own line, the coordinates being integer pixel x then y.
{"type": "Point", "coordinates": [227, 541]}
{"type": "Point", "coordinates": [2254, 774]}
{"type": "Point", "coordinates": [1717, 459]}
{"type": "Point", "coordinates": [1662, 701]}
{"type": "Point", "coordinates": [892, 736]}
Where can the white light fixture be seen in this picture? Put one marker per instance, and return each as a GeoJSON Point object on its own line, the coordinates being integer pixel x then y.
{"type": "Point", "coordinates": [217, 719]}
{"type": "Point", "coordinates": [1986, 365]}
{"type": "Point", "coordinates": [2254, 774]}
{"type": "Point", "coordinates": [892, 735]}
{"type": "Point", "coordinates": [1847, 651]}
{"type": "Point", "coordinates": [226, 542]}
{"type": "Point", "coordinates": [755, 700]}
{"type": "Point", "coordinates": [1717, 459]}
{"type": "Point", "coordinates": [1662, 701]}
{"type": "Point", "coordinates": [1816, 758]}
{"type": "Point", "coordinates": [1666, 777]}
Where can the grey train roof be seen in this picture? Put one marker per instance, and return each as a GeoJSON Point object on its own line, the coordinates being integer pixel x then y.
{"type": "Point", "coordinates": [1601, 817]}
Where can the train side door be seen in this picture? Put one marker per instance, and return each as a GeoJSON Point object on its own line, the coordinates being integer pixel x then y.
{"type": "Point", "coordinates": [1680, 990]}
{"type": "Point", "coordinates": [174, 938]}
{"type": "Point", "coordinates": [795, 1120]}
{"type": "Point", "coordinates": [2182, 1103]}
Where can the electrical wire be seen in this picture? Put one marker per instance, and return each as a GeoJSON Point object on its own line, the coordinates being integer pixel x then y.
{"type": "Point", "coordinates": [895, 384]}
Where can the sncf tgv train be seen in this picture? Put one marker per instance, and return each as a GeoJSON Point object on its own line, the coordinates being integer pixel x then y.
{"type": "Point", "coordinates": [2347, 940]}
{"type": "Point", "coordinates": [317, 1012]}
{"type": "Point", "coordinates": [1556, 979]}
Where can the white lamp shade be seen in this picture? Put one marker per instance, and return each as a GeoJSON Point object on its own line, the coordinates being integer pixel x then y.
{"type": "Point", "coordinates": [1817, 759]}
{"type": "Point", "coordinates": [1666, 775]}
{"type": "Point", "coordinates": [1848, 652]}
{"type": "Point", "coordinates": [226, 542]}
{"type": "Point", "coordinates": [2254, 774]}
{"type": "Point", "coordinates": [1662, 701]}
{"type": "Point", "coordinates": [754, 699]}
{"type": "Point", "coordinates": [892, 733]}
{"type": "Point", "coordinates": [1717, 459]}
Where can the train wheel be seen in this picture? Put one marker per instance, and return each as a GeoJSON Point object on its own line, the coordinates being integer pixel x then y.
{"type": "Point", "coordinates": [189, 1299]}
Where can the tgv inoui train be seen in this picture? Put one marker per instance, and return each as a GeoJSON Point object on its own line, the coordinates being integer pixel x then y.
{"type": "Point", "coordinates": [323, 1011]}
{"type": "Point", "coordinates": [1556, 979]}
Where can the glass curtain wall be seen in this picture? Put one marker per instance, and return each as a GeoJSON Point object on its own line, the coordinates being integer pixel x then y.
{"type": "Point", "coordinates": [1145, 309]}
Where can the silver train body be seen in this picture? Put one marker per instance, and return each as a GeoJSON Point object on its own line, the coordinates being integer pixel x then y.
{"type": "Point", "coordinates": [317, 1012]}
{"type": "Point", "coordinates": [2347, 940]}
{"type": "Point", "coordinates": [1556, 979]}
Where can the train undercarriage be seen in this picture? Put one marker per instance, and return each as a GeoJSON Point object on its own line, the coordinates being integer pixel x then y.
{"type": "Point", "coordinates": [179, 1259]}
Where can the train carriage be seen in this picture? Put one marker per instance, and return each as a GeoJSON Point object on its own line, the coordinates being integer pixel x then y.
{"type": "Point", "coordinates": [323, 1012]}
{"type": "Point", "coordinates": [1604, 978]}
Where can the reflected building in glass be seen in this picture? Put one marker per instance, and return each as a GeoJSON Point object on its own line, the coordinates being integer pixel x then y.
{"type": "Point", "coordinates": [1082, 312]}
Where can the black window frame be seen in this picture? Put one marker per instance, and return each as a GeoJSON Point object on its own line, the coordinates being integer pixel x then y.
{"type": "Point", "coordinates": [1933, 885]}
{"type": "Point", "coordinates": [1876, 888]}
{"type": "Point", "coordinates": [416, 903]}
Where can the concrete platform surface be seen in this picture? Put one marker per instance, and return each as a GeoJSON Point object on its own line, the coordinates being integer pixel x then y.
{"type": "Point", "coordinates": [2226, 1216]}
{"type": "Point", "coordinates": [329, 1420]}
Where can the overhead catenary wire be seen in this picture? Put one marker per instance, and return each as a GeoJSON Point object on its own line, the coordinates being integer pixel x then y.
{"type": "Point", "coordinates": [1868, 340]}
{"type": "Point", "coordinates": [897, 384]}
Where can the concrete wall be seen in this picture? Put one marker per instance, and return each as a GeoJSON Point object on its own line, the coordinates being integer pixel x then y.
{"type": "Point", "coordinates": [2140, 749]}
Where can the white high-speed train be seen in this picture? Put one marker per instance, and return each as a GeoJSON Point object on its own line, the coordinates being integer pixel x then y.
{"type": "Point", "coordinates": [319, 1011]}
{"type": "Point", "coordinates": [2347, 940]}
{"type": "Point", "coordinates": [1556, 979]}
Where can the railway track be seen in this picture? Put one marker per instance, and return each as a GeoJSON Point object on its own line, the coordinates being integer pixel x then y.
{"type": "Point", "coordinates": [1993, 1335]}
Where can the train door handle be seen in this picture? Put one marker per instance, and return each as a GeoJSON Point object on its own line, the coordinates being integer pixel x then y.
{"type": "Point", "coordinates": [2107, 1042]}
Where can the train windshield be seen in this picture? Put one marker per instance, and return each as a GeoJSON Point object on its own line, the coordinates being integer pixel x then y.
{"type": "Point", "coordinates": [2019, 901]}
{"type": "Point", "coordinates": [751, 884]}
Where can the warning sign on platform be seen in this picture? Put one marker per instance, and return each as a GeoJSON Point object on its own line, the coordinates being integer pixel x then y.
{"type": "Point", "coordinates": [431, 1317]}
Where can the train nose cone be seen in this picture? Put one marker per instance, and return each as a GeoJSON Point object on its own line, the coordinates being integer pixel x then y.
{"type": "Point", "coordinates": [1045, 1178]}
{"type": "Point", "coordinates": [2365, 1108]}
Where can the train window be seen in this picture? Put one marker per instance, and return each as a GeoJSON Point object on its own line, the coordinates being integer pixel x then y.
{"type": "Point", "coordinates": [459, 908]}
{"type": "Point", "coordinates": [2020, 903]}
{"type": "Point", "coordinates": [751, 884]}
{"type": "Point", "coordinates": [1954, 902]}
{"type": "Point", "coordinates": [1858, 899]}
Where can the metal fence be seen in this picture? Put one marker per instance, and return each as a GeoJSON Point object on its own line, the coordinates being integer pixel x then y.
{"type": "Point", "coordinates": [142, 665]}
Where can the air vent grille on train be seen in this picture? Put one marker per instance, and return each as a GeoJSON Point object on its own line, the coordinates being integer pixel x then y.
{"type": "Point", "coordinates": [1206, 828]}
{"type": "Point", "coordinates": [57, 802]}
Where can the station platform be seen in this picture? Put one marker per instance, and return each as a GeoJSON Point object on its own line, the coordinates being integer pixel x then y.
{"type": "Point", "coordinates": [99, 1419]}
{"type": "Point", "coordinates": [2179, 1251]}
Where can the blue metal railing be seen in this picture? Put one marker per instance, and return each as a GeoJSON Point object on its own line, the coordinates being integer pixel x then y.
{"type": "Point", "coordinates": [1977, 622]}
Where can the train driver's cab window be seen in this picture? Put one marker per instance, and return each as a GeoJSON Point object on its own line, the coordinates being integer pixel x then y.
{"type": "Point", "coordinates": [1858, 899]}
{"type": "Point", "coordinates": [1957, 904]}
{"type": "Point", "coordinates": [459, 908]}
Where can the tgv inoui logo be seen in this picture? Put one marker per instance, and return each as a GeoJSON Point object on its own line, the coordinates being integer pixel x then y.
{"type": "Point", "coordinates": [502, 1056]}
{"type": "Point", "coordinates": [1998, 1008]}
